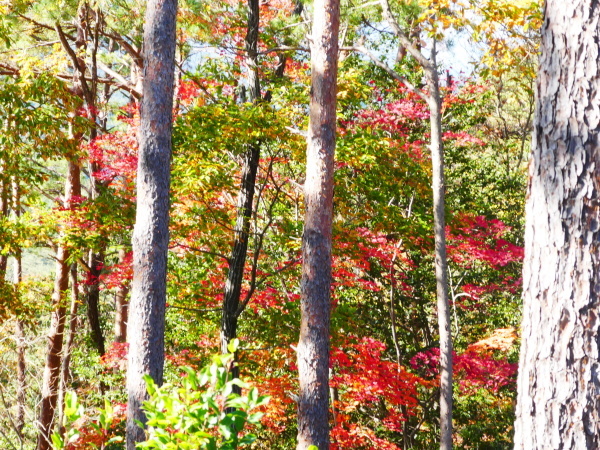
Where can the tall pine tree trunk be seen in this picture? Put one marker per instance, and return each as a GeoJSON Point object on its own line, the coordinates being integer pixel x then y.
{"type": "Point", "coordinates": [313, 346]}
{"type": "Point", "coordinates": [146, 322]}
{"type": "Point", "coordinates": [559, 369]}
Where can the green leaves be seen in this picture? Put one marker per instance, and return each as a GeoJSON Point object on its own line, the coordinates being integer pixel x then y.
{"type": "Point", "coordinates": [203, 412]}
{"type": "Point", "coordinates": [73, 412]}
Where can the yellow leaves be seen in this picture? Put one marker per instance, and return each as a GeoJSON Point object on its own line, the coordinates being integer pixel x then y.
{"type": "Point", "coordinates": [509, 30]}
{"type": "Point", "coordinates": [440, 15]}
{"type": "Point", "coordinates": [4, 7]}
{"type": "Point", "coordinates": [501, 339]}
{"type": "Point", "coordinates": [52, 61]}
{"type": "Point", "coordinates": [351, 85]}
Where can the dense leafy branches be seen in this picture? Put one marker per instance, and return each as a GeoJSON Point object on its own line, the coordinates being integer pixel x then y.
{"type": "Point", "coordinates": [383, 376]}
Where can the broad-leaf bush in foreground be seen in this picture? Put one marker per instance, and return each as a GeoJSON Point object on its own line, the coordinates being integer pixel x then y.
{"type": "Point", "coordinates": [203, 412]}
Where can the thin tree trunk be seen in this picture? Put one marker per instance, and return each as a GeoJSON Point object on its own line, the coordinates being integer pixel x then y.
{"type": "Point", "coordinates": [237, 262]}
{"type": "Point", "coordinates": [313, 346]}
{"type": "Point", "coordinates": [434, 103]}
{"type": "Point", "coordinates": [92, 299]}
{"type": "Point", "coordinates": [57, 324]}
{"type": "Point", "coordinates": [89, 92]}
{"type": "Point", "coordinates": [146, 322]}
{"type": "Point", "coordinates": [19, 325]}
{"type": "Point", "coordinates": [52, 368]}
{"type": "Point", "coordinates": [121, 306]}
{"type": "Point", "coordinates": [441, 263]}
{"type": "Point", "coordinates": [432, 97]}
{"type": "Point", "coordinates": [66, 362]}
{"type": "Point", "coordinates": [393, 309]}
{"type": "Point", "coordinates": [3, 213]}
{"type": "Point", "coordinates": [21, 376]}
{"type": "Point", "coordinates": [558, 405]}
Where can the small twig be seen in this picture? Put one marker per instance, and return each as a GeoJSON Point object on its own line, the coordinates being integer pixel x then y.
{"type": "Point", "coordinates": [9, 415]}
{"type": "Point", "coordinates": [284, 48]}
{"type": "Point", "coordinates": [194, 309]}
{"type": "Point", "coordinates": [197, 82]}
{"type": "Point", "coordinates": [41, 25]}
{"type": "Point", "coordinates": [199, 250]}
{"type": "Point", "coordinates": [133, 52]}
{"type": "Point", "coordinates": [7, 439]}
{"type": "Point", "coordinates": [304, 134]}
{"type": "Point", "coordinates": [395, 75]}
{"type": "Point", "coordinates": [404, 40]}
{"type": "Point", "coordinates": [132, 90]}
{"type": "Point", "coordinates": [43, 44]}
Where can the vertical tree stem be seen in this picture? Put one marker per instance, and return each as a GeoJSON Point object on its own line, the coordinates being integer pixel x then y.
{"type": "Point", "coordinates": [313, 346]}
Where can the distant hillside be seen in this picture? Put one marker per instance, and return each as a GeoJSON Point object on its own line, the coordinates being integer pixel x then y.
{"type": "Point", "coordinates": [36, 262]}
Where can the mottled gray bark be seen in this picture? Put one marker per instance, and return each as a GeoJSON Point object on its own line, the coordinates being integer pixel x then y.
{"type": "Point", "coordinates": [441, 262]}
{"type": "Point", "coordinates": [434, 103]}
{"type": "Point", "coordinates": [433, 99]}
{"type": "Point", "coordinates": [558, 403]}
{"type": "Point", "coordinates": [145, 328]}
{"type": "Point", "coordinates": [313, 346]}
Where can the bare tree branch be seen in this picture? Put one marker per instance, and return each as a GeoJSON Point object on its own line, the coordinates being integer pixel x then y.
{"type": "Point", "coordinates": [121, 79]}
{"type": "Point", "coordinates": [284, 48]}
{"type": "Point", "coordinates": [129, 48]}
{"type": "Point", "coordinates": [404, 40]}
{"type": "Point", "coordinates": [391, 72]}
{"type": "Point", "coordinates": [199, 250]}
{"type": "Point", "coordinates": [197, 82]}
{"type": "Point", "coordinates": [79, 64]}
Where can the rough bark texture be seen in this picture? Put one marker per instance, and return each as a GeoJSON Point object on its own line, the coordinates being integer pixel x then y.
{"type": "Point", "coordinates": [313, 346]}
{"type": "Point", "coordinates": [57, 325]}
{"type": "Point", "coordinates": [559, 369]}
{"type": "Point", "coordinates": [146, 325]}
{"type": "Point", "coordinates": [235, 275]}
{"type": "Point", "coordinates": [441, 262]}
